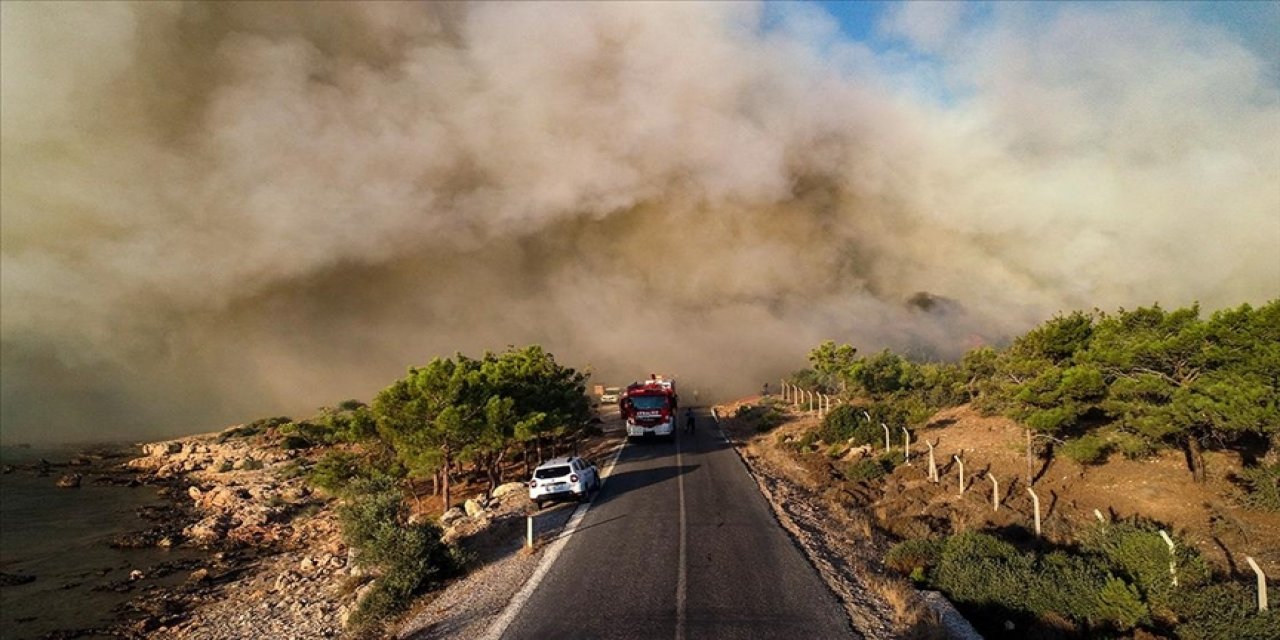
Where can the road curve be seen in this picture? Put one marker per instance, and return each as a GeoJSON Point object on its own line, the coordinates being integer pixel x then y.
{"type": "Point", "coordinates": [680, 544]}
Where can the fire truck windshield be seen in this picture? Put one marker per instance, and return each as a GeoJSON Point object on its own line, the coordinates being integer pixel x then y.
{"type": "Point", "coordinates": [648, 402]}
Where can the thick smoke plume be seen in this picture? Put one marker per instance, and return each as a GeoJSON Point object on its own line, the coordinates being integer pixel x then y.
{"type": "Point", "coordinates": [213, 212]}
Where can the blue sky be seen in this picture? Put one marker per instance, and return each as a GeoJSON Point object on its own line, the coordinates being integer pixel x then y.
{"type": "Point", "coordinates": [1255, 23]}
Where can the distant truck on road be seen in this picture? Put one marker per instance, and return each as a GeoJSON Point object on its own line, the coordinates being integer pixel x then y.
{"type": "Point", "coordinates": [649, 407]}
{"type": "Point", "coordinates": [610, 395]}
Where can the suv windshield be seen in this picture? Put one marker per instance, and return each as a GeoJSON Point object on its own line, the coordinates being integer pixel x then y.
{"type": "Point", "coordinates": [551, 472]}
{"type": "Point", "coordinates": [649, 402]}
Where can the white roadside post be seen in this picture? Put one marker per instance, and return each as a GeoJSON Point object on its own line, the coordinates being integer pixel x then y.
{"type": "Point", "coordinates": [886, 437]}
{"type": "Point", "coordinates": [810, 401]}
{"type": "Point", "coordinates": [961, 463]}
{"type": "Point", "coordinates": [906, 445]}
{"type": "Point", "coordinates": [1173, 569]}
{"type": "Point", "coordinates": [933, 466]}
{"type": "Point", "coordinates": [1262, 583]}
{"type": "Point", "coordinates": [1035, 502]}
{"type": "Point", "coordinates": [1098, 515]}
{"type": "Point", "coordinates": [528, 539]}
{"type": "Point", "coordinates": [995, 492]}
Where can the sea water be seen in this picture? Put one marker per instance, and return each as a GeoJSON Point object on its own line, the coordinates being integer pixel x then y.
{"type": "Point", "coordinates": [60, 536]}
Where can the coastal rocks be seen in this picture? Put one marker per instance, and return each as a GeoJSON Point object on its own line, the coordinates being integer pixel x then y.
{"type": "Point", "coordinates": [69, 481]}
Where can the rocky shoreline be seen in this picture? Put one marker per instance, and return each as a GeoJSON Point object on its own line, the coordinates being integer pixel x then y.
{"type": "Point", "coordinates": [277, 564]}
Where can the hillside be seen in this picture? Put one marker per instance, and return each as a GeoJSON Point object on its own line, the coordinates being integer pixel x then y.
{"type": "Point", "coordinates": [902, 504]}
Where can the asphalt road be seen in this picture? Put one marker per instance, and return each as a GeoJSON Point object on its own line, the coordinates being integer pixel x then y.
{"type": "Point", "coordinates": [680, 544]}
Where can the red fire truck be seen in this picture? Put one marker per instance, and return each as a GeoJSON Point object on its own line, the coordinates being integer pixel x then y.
{"type": "Point", "coordinates": [649, 407]}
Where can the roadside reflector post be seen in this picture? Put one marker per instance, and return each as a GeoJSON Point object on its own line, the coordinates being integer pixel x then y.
{"type": "Point", "coordinates": [1098, 515]}
{"type": "Point", "coordinates": [961, 463]}
{"type": "Point", "coordinates": [1035, 503]}
{"type": "Point", "coordinates": [810, 401]}
{"type": "Point", "coordinates": [995, 492]}
{"type": "Point", "coordinates": [933, 466]}
{"type": "Point", "coordinates": [1173, 569]}
{"type": "Point", "coordinates": [906, 445]}
{"type": "Point", "coordinates": [886, 436]}
{"type": "Point", "coordinates": [1262, 583]}
{"type": "Point", "coordinates": [528, 540]}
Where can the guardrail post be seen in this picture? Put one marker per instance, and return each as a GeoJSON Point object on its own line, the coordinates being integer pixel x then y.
{"type": "Point", "coordinates": [528, 540]}
{"type": "Point", "coordinates": [906, 445]}
{"type": "Point", "coordinates": [810, 401]}
{"type": "Point", "coordinates": [933, 466]}
{"type": "Point", "coordinates": [1035, 502]}
{"type": "Point", "coordinates": [1262, 583]}
{"type": "Point", "coordinates": [995, 492]}
{"type": "Point", "coordinates": [961, 463]}
{"type": "Point", "coordinates": [886, 436]}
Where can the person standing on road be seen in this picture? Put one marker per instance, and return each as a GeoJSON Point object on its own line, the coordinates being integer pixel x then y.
{"type": "Point", "coordinates": [688, 420]}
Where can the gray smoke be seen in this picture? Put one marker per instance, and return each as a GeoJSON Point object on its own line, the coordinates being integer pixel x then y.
{"type": "Point", "coordinates": [213, 212]}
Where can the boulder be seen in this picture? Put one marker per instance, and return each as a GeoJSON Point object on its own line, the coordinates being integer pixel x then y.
{"type": "Point", "coordinates": [195, 493]}
{"type": "Point", "coordinates": [156, 449]}
{"type": "Point", "coordinates": [451, 516]}
{"type": "Point", "coordinates": [199, 575]}
{"type": "Point", "coordinates": [307, 565]}
{"type": "Point", "coordinates": [510, 487]}
{"type": "Point", "coordinates": [473, 507]}
{"type": "Point", "coordinates": [69, 481]}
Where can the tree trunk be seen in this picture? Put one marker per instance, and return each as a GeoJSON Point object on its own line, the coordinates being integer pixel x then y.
{"type": "Point", "coordinates": [435, 483]}
{"type": "Point", "coordinates": [1196, 457]}
{"type": "Point", "coordinates": [528, 458]}
{"type": "Point", "coordinates": [445, 490]}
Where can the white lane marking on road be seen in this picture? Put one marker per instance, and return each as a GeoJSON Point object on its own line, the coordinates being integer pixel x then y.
{"type": "Point", "coordinates": [499, 626]}
{"type": "Point", "coordinates": [682, 572]}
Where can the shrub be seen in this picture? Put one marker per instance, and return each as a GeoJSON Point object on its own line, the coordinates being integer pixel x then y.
{"type": "Point", "coordinates": [1262, 486]}
{"type": "Point", "coordinates": [868, 469]}
{"type": "Point", "coordinates": [763, 418]}
{"type": "Point", "coordinates": [1087, 449]}
{"type": "Point", "coordinates": [409, 557]}
{"type": "Point", "coordinates": [980, 569]}
{"type": "Point", "coordinates": [335, 470]}
{"type": "Point", "coordinates": [1226, 610]}
{"type": "Point", "coordinates": [913, 557]}
{"type": "Point", "coordinates": [226, 466]}
{"type": "Point", "coordinates": [251, 464]}
{"type": "Point", "coordinates": [1136, 552]}
{"type": "Point", "coordinates": [847, 422]}
{"type": "Point", "coordinates": [254, 428]}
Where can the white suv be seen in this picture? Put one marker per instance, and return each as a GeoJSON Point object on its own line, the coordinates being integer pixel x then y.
{"type": "Point", "coordinates": [558, 478]}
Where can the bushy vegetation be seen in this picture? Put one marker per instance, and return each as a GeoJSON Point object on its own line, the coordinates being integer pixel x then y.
{"type": "Point", "coordinates": [1130, 382]}
{"type": "Point", "coordinates": [1117, 580]}
{"type": "Point", "coordinates": [868, 469]}
{"type": "Point", "coordinates": [762, 417]}
{"type": "Point", "coordinates": [407, 557]}
{"type": "Point", "coordinates": [255, 428]}
{"type": "Point", "coordinates": [1262, 486]}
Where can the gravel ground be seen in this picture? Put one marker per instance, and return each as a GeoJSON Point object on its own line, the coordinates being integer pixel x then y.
{"type": "Point", "coordinates": [465, 608]}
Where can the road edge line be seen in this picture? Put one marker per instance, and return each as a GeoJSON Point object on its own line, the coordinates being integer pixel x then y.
{"type": "Point", "coordinates": [499, 626]}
